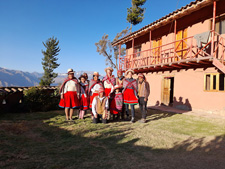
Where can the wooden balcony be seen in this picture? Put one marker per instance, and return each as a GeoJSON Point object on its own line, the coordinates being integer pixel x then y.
{"type": "Point", "coordinates": [181, 54]}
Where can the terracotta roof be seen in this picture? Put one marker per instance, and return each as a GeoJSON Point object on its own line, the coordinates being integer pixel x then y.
{"type": "Point", "coordinates": [170, 17]}
{"type": "Point", "coordinates": [20, 89]}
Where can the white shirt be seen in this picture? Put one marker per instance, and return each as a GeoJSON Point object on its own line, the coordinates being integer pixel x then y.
{"type": "Point", "coordinates": [96, 87]}
{"type": "Point", "coordinates": [70, 86]}
{"type": "Point", "coordinates": [94, 102]}
{"type": "Point", "coordinates": [108, 85]}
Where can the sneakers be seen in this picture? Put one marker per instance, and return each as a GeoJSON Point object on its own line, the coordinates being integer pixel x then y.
{"type": "Point", "coordinates": [132, 120]}
{"type": "Point", "coordinates": [142, 121]}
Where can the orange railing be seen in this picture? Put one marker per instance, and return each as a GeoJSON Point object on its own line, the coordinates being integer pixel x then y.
{"type": "Point", "coordinates": [176, 51]}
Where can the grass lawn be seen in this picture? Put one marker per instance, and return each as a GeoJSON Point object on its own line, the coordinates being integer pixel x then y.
{"type": "Point", "coordinates": [167, 140]}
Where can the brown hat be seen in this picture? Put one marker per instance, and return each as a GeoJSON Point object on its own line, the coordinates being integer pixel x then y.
{"type": "Point", "coordinates": [82, 76]}
{"type": "Point", "coordinates": [109, 68]}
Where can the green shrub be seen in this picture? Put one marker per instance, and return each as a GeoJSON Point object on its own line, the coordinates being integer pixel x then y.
{"type": "Point", "coordinates": [39, 99]}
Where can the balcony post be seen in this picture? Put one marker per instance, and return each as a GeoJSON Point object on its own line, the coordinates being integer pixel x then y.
{"type": "Point", "coordinates": [132, 60]}
{"type": "Point", "coordinates": [120, 64]}
{"type": "Point", "coordinates": [150, 46]}
{"type": "Point", "coordinates": [175, 32]}
{"type": "Point", "coordinates": [213, 26]}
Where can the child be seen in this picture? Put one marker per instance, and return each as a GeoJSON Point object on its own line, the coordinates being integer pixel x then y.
{"type": "Point", "coordinates": [84, 96]}
{"type": "Point", "coordinates": [100, 105]}
{"type": "Point", "coordinates": [117, 102]}
{"type": "Point", "coordinates": [70, 94]}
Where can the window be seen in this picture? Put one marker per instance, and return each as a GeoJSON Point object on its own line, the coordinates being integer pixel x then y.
{"type": "Point", "coordinates": [214, 82]}
{"type": "Point", "coordinates": [220, 25]}
{"type": "Point", "coordinates": [137, 50]}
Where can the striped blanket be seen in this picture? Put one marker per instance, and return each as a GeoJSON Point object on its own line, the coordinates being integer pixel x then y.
{"type": "Point", "coordinates": [119, 101]}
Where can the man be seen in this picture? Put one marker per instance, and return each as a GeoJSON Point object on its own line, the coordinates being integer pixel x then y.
{"type": "Point", "coordinates": [99, 107]}
{"type": "Point", "coordinates": [143, 93]}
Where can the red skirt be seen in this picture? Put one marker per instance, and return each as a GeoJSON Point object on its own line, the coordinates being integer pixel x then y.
{"type": "Point", "coordinates": [129, 97]}
{"type": "Point", "coordinates": [113, 109]}
{"type": "Point", "coordinates": [91, 99]}
{"type": "Point", "coordinates": [70, 100]}
{"type": "Point", "coordinates": [84, 102]}
{"type": "Point", "coordinates": [107, 91]}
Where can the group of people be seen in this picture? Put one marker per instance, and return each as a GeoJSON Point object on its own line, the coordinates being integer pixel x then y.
{"type": "Point", "coordinates": [107, 98]}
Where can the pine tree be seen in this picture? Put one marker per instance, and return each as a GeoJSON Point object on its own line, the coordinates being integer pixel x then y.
{"type": "Point", "coordinates": [49, 61]}
{"type": "Point", "coordinates": [135, 14]}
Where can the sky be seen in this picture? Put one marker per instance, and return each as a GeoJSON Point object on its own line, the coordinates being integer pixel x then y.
{"type": "Point", "coordinates": [77, 24]}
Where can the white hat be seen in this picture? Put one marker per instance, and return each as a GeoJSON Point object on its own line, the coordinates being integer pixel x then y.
{"type": "Point", "coordinates": [70, 71]}
{"type": "Point", "coordinates": [96, 74]}
{"type": "Point", "coordinates": [109, 68]}
{"type": "Point", "coordinates": [117, 87]}
{"type": "Point", "coordinates": [129, 70]}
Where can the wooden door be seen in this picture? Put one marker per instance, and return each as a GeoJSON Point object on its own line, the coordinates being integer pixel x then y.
{"type": "Point", "coordinates": [157, 50]}
{"type": "Point", "coordinates": [181, 45]}
{"type": "Point", "coordinates": [166, 88]}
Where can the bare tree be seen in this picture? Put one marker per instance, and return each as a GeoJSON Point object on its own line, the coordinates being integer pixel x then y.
{"type": "Point", "coordinates": [105, 48]}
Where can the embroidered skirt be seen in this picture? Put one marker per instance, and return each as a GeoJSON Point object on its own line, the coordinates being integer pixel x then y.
{"type": "Point", "coordinates": [84, 102]}
{"type": "Point", "coordinates": [129, 97]}
{"type": "Point", "coordinates": [70, 100]}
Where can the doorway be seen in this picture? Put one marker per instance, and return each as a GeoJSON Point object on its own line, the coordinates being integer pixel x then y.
{"type": "Point", "coordinates": [167, 91]}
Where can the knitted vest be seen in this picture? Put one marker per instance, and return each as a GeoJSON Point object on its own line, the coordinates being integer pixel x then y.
{"type": "Point", "coordinates": [100, 106]}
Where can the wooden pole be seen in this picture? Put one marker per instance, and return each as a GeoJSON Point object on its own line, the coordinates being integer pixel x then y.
{"type": "Point", "coordinates": [132, 61]}
{"type": "Point", "coordinates": [213, 27]}
{"type": "Point", "coordinates": [120, 66]}
{"type": "Point", "coordinates": [150, 45]}
{"type": "Point", "coordinates": [175, 32]}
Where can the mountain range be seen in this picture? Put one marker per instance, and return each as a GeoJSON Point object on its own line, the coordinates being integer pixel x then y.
{"type": "Point", "coordinates": [19, 78]}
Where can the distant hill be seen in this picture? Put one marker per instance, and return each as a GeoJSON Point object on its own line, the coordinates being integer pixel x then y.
{"type": "Point", "coordinates": [19, 78]}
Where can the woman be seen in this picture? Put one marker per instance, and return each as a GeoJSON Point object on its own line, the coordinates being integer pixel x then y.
{"type": "Point", "coordinates": [109, 81]}
{"type": "Point", "coordinates": [120, 78]}
{"type": "Point", "coordinates": [130, 93]}
{"type": "Point", "coordinates": [70, 94]}
{"type": "Point", "coordinates": [94, 85]}
{"type": "Point", "coordinates": [84, 96]}
{"type": "Point", "coordinates": [86, 76]}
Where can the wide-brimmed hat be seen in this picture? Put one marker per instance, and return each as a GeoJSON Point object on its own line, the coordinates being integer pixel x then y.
{"type": "Point", "coordinates": [96, 74]}
{"type": "Point", "coordinates": [70, 71]}
{"type": "Point", "coordinates": [141, 75]}
{"type": "Point", "coordinates": [117, 87]}
{"type": "Point", "coordinates": [100, 90]}
{"type": "Point", "coordinates": [82, 76]}
{"type": "Point", "coordinates": [109, 68]}
{"type": "Point", "coordinates": [129, 70]}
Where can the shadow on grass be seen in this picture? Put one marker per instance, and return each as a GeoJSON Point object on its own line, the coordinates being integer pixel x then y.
{"type": "Point", "coordinates": [46, 143]}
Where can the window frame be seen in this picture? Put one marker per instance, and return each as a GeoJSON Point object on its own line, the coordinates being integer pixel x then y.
{"type": "Point", "coordinates": [212, 81]}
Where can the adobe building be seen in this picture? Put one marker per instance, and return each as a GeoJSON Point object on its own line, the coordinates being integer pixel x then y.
{"type": "Point", "coordinates": [182, 56]}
